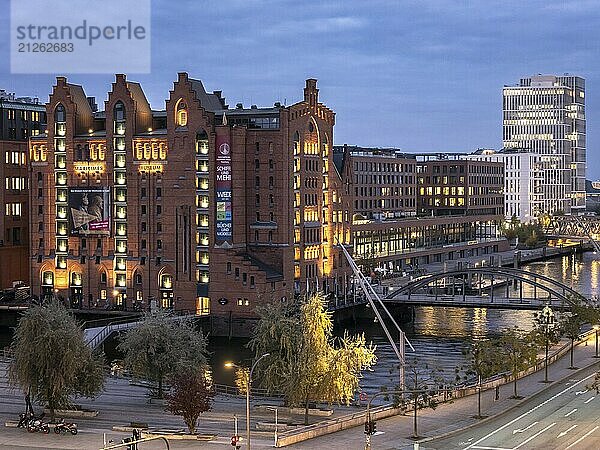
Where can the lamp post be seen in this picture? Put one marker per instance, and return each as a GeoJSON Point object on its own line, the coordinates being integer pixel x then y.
{"type": "Point", "coordinates": [546, 318]}
{"type": "Point", "coordinates": [596, 329]}
{"type": "Point", "coordinates": [248, 387]}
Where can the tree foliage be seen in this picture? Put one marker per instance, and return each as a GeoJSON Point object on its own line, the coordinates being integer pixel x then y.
{"type": "Point", "coordinates": [52, 359]}
{"type": "Point", "coordinates": [529, 234]}
{"type": "Point", "coordinates": [570, 327]}
{"type": "Point", "coordinates": [481, 363]}
{"type": "Point", "coordinates": [163, 345]}
{"type": "Point", "coordinates": [241, 379]}
{"type": "Point", "coordinates": [517, 351]}
{"type": "Point", "coordinates": [190, 396]}
{"type": "Point", "coordinates": [306, 362]}
{"type": "Point", "coordinates": [424, 383]}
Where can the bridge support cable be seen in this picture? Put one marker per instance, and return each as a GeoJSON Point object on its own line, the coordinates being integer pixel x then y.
{"type": "Point", "coordinates": [372, 297]}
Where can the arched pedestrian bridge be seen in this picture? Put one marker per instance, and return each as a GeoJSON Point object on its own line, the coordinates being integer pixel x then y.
{"type": "Point", "coordinates": [484, 287]}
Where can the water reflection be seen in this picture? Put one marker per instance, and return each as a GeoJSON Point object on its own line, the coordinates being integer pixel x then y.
{"type": "Point", "coordinates": [440, 335]}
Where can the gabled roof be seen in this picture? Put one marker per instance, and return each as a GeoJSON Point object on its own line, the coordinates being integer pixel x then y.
{"type": "Point", "coordinates": [210, 102]}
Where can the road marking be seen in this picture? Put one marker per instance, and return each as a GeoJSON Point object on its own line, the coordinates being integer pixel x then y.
{"type": "Point", "coordinates": [570, 412]}
{"type": "Point", "coordinates": [562, 433]}
{"type": "Point", "coordinates": [523, 430]}
{"type": "Point", "coordinates": [589, 400]}
{"type": "Point", "coordinates": [580, 392]}
{"type": "Point", "coordinates": [525, 414]}
{"type": "Point", "coordinates": [582, 437]}
{"type": "Point", "coordinates": [534, 436]}
{"type": "Point", "coordinates": [492, 448]}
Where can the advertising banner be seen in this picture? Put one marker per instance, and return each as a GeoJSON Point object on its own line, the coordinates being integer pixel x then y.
{"type": "Point", "coordinates": [89, 211]}
{"type": "Point", "coordinates": [223, 188]}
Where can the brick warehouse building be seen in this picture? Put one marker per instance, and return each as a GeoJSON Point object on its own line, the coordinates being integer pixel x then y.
{"type": "Point", "coordinates": [197, 207]}
{"type": "Point", "coordinates": [20, 117]}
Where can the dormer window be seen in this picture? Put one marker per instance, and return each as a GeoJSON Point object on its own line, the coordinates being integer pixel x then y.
{"type": "Point", "coordinates": [181, 116]}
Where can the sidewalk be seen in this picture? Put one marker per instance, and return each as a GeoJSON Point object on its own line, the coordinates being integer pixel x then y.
{"type": "Point", "coordinates": [451, 417]}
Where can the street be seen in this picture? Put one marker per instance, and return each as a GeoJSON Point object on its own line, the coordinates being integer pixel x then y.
{"type": "Point", "coordinates": [564, 417]}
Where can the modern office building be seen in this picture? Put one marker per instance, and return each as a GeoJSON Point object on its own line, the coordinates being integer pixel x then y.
{"type": "Point", "coordinates": [20, 117]}
{"type": "Point", "coordinates": [523, 181]}
{"type": "Point", "coordinates": [382, 181]}
{"type": "Point", "coordinates": [545, 115]}
{"type": "Point", "coordinates": [195, 207]}
{"type": "Point", "coordinates": [450, 185]}
{"type": "Point", "coordinates": [428, 220]}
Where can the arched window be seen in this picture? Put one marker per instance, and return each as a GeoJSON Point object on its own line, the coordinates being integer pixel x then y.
{"type": "Point", "coordinates": [181, 115]}
{"type": "Point", "coordinates": [48, 278]}
{"type": "Point", "coordinates": [75, 279]}
{"type": "Point", "coordinates": [59, 113]}
{"type": "Point", "coordinates": [137, 278]}
{"type": "Point", "coordinates": [119, 112]}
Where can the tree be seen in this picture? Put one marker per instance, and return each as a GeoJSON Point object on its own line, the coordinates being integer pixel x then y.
{"type": "Point", "coordinates": [570, 326]}
{"type": "Point", "coordinates": [482, 363]}
{"type": "Point", "coordinates": [242, 374]}
{"type": "Point", "coordinates": [306, 362]}
{"type": "Point", "coordinates": [190, 396]}
{"type": "Point", "coordinates": [163, 345]}
{"type": "Point", "coordinates": [422, 384]}
{"type": "Point", "coordinates": [51, 358]}
{"type": "Point", "coordinates": [516, 352]}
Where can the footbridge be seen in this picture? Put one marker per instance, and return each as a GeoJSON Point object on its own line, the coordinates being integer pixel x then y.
{"type": "Point", "coordinates": [483, 287]}
{"type": "Point", "coordinates": [574, 227]}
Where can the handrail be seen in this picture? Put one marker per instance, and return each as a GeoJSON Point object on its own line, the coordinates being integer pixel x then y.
{"type": "Point", "coordinates": [105, 331]}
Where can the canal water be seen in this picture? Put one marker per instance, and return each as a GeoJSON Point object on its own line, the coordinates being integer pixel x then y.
{"type": "Point", "coordinates": [441, 335]}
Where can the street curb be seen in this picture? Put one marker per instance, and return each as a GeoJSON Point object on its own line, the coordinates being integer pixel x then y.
{"type": "Point", "coordinates": [506, 411]}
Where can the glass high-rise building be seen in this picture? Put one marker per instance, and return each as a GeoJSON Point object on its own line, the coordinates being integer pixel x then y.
{"type": "Point", "coordinates": [545, 114]}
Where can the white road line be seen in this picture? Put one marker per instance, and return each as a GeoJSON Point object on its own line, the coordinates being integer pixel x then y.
{"type": "Point", "coordinates": [589, 400]}
{"type": "Point", "coordinates": [563, 433]}
{"type": "Point", "coordinates": [582, 437]}
{"type": "Point", "coordinates": [570, 412]}
{"type": "Point", "coordinates": [534, 436]}
{"type": "Point", "coordinates": [523, 430]}
{"type": "Point", "coordinates": [492, 448]}
{"type": "Point", "coordinates": [529, 412]}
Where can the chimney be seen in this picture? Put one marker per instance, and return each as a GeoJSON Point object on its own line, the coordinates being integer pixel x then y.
{"type": "Point", "coordinates": [311, 93]}
{"type": "Point", "coordinates": [120, 77]}
{"type": "Point", "coordinates": [93, 104]}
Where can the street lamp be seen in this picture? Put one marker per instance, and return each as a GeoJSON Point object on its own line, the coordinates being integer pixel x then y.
{"type": "Point", "coordinates": [596, 329]}
{"type": "Point", "coordinates": [248, 387]}
{"type": "Point", "coordinates": [546, 318]}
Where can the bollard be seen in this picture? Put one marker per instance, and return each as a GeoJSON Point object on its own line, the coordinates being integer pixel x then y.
{"type": "Point", "coordinates": [416, 446]}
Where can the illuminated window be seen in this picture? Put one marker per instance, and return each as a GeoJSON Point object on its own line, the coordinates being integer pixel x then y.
{"type": "Point", "coordinates": [182, 115]}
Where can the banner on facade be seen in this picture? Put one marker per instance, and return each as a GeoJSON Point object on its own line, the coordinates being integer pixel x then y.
{"type": "Point", "coordinates": [223, 188]}
{"type": "Point", "coordinates": [89, 211]}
